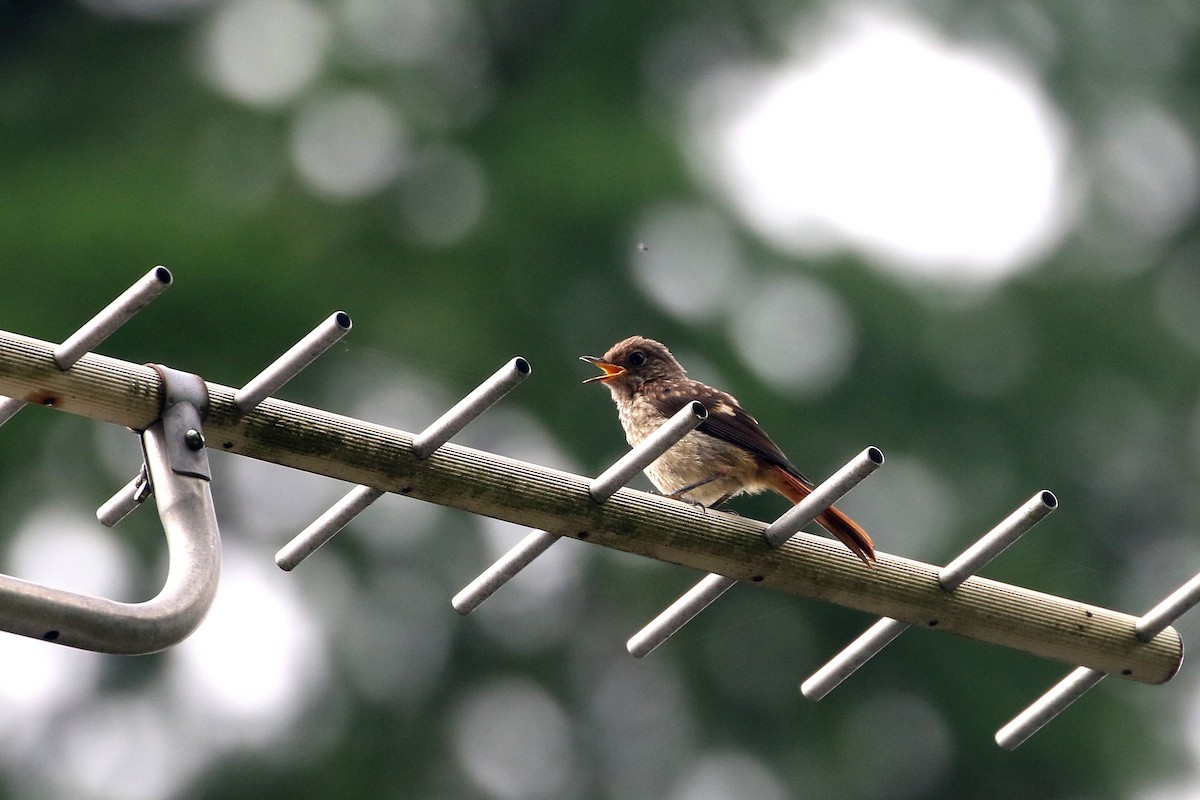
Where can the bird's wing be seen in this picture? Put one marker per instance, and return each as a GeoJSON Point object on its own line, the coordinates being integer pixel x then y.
{"type": "Point", "coordinates": [727, 420]}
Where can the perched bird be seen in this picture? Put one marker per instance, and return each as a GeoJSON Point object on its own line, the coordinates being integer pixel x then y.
{"type": "Point", "coordinates": [726, 455]}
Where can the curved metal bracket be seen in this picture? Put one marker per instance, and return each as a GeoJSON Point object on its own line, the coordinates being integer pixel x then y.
{"type": "Point", "coordinates": [179, 476]}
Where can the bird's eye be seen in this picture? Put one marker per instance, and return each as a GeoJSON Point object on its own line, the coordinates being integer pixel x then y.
{"type": "Point", "coordinates": [637, 358]}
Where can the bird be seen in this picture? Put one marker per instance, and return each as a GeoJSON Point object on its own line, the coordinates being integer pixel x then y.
{"type": "Point", "coordinates": [726, 455]}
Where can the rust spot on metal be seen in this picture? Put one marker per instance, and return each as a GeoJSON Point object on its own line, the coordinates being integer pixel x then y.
{"type": "Point", "coordinates": [43, 399]}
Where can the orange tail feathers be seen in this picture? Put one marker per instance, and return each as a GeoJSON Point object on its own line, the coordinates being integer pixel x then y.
{"type": "Point", "coordinates": [833, 520]}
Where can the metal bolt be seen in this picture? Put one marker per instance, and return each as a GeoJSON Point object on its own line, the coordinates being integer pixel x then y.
{"type": "Point", "coordinates": [194, 439]}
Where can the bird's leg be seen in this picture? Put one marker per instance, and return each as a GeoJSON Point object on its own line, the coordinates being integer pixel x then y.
{"type": "Point", "coordinates": [721, 500]}
{"type": "Point", "coordinates": [678, 494]}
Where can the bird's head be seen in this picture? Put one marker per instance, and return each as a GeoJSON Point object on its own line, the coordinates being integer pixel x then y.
{"type": "Point", "coordinates": [631, 363]}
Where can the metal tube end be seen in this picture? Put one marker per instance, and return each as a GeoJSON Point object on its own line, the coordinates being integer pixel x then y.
{"type": "Point", "coordinates": [681, 612]}
{"type": "Point", "coordinates": [646, 451]}
{"type": "Point", "coordinates": [824, 495]}
{"type": "Point", "coordinates": [466, 410]}
{"type": "Point", "coordinates": [112, 316]}
{"type": "Point", "coordinates": [997, 540]}
{"type": "Point", "coordinates": [854, 656]}
{"type": "Point", "coordinates": [289, 365]}
{"type": "Point", "coordinates": [326, 526]}
{"type": "Point", "coordinates": [503, 570]}
{"type": "Point", "coordinates": [125, 501]}
{"type": "Point", "coordinates": [642, 644]}
{"type": "Point", "coordinates": [1047, 707]}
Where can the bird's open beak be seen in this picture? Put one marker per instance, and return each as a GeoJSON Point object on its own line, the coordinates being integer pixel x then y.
{"type": "Point", "coordinates": [610, 370]}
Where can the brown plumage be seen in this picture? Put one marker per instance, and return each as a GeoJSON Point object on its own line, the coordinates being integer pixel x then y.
{"type": "Point", "coordinates": [726, 455]}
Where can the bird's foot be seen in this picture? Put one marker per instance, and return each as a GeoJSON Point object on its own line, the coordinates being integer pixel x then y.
{"type": "Point", "coordinates": [681, 497]}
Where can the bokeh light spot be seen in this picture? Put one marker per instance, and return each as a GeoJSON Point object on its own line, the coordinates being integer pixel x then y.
{"type": "Point", "coordinates": [540, 607]}
{"type": "Point", "coordinates": [729, 776]}
{"type": "Point", "coordinates": [396, 640]}
{"type": "Point", "coordinates": [795, 333]}
{"type": "Point", "coordinates": [932, 159]}
{"type": "Point", "coordinates": [347, 145]}
{"type": "Point", "coordinates": [255, 661]}
{"type": "Point", "coordinates": [631, 703]}
{"type": "Point", "coordinates": [125, 747]}
{"type": "Point", "coordinates": [39, 679]}
{"type": "Point", "coordinates": [60, 549]}
{"type": "Point", "coordinates": [443, 195]}
{"type": "Point", "coordinates": [1146, 169]}
{"type": "Point", "coordinates": [403, 31]}
{"type": "Point", "coordinates": [265, 52]}
{"type": "Point", "coordinates": [514, 740]}
{"type": "Point", "coordinates": [687, 261]}
{"type": "Point", "coordinates": [914, 503]}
